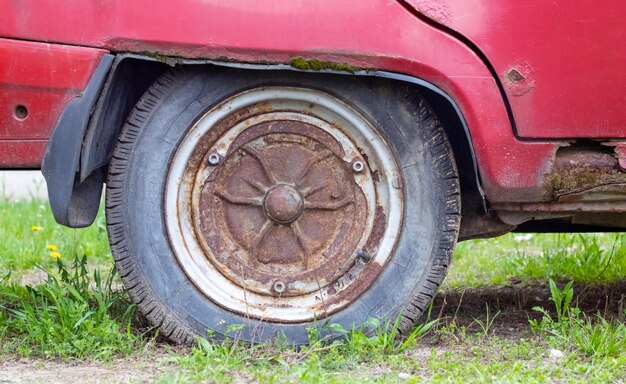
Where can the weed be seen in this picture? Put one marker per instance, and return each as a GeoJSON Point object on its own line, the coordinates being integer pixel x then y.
{"type": "Point", "coordinates": [70, 315]}
{"type": "Point", "coordinates": [485, 326]}
{"type": "Point", "coordinates": [460, 333]}
{"type": "Point", "coordinates": [592, 336]}
{"type": "Point", "coordinates": [453, 332]}
{"type": "Point", "coordinates": [386, 338]}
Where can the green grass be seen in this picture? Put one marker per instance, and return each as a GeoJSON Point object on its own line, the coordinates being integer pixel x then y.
{"type": "Point", "coordinates": [502, 361]}
{"type": "Point", "coordinates": [476, 360]}
{"type": "Point", "coordinates": [585, 258]}
{"type": "Point", "coordinates": [72, 314]}
{"type": "Point", "coordinates": [72, 311]}
{"type": "Point", "coordinates": [28, 227]}
{"type": "Point", "coordinates": [572, 329]}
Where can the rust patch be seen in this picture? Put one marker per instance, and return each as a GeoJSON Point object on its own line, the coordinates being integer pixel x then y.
{"type": "Point", "coordinates": [375, 176]}
{"type": "Point", "coordinates": [277, 209]}
{"type": "Point", "coordinates": [515, 76]}
{"type": "Point", "coordinates": [378, 230]}
{"type": "Point", "coordinates": [362, 274]}
{"type": "Point", "coordinates": [620, 151]}
{"type": "Point", "coordinates": [586, 178]}
{"type": "Point", "coordinates": [617, 207]}
{"type": "Point", "coordinates": [519, 79]}
{"type": "Point", "coordinates": [586, 174]}
{"type": "Point", "coordinates": [284, 203]}
{"type": "Point", "coordinates": [359, 279]}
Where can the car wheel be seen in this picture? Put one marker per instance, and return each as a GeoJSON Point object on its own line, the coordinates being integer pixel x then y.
{"type": "Point", "coordinates": [280, 200]}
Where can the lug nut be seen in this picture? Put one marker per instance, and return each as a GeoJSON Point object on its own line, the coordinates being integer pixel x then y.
{"type": "Point", "coordinates": [363, 255]}
{"type": "Point", "coordinates": [279, 286]}
{"type": "Point", "coordinates": [214, 158]}
{"type": "Point", "coordinates": [357, 166]}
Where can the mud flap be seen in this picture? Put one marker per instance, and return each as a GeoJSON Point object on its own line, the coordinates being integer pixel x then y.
{"type": "Point", "coordinates": [74, 203]}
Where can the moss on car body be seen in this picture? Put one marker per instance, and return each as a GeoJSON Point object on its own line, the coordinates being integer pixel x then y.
{"type": "Point", "coordinates": [319, 65]}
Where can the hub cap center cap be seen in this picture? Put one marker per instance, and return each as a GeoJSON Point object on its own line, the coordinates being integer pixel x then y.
{"type": "Point", "coordinates": [283, 204]}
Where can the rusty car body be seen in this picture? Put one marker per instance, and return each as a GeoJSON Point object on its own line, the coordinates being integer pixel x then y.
{"type": "Point", "coordinates": [530, 96]}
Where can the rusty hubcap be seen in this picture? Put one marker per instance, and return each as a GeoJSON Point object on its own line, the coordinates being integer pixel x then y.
{"type": "Point", "coordinates": [271, 204]}
{"type": "Point", "coordinates": [288, 202]}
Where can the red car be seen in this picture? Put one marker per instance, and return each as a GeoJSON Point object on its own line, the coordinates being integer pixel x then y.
{"type": "Point", "coordinates": [281, 163]}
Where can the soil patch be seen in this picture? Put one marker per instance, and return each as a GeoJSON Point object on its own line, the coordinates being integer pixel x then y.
{"type": "Point", "coordinates": [129, 370]}
{"type": "Point", "coordinates": [515, 304]}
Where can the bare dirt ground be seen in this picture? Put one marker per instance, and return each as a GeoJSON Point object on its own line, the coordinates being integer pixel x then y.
{"type": "Point", "coordinates": [41, 371]}
{"type": "Point", "coordinates": [463, 307]}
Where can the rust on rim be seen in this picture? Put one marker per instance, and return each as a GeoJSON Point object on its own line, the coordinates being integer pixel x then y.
{"type": "Point", "coordinates": [280, 205]}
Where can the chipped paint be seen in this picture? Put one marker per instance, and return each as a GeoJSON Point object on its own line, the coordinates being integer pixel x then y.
{"type": "Point", "coordinates": [519, 79]}
{"type": "Point", "coordinates": [436, 10]}
{"type": "Point", "coordinates": [620, 152]}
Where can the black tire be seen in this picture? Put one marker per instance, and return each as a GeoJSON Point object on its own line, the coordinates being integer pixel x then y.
{"type": "Point", "coordinates": [135, 203]}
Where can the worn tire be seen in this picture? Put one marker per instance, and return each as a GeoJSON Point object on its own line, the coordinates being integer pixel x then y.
{"type": "Point", "coordinates": [137, 175]}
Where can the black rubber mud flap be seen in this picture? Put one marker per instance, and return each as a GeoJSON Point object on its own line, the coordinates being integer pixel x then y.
{"type": "Point", "coordinates": [74, 203]}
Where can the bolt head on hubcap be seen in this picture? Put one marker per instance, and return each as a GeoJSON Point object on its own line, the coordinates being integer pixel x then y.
{"type": "Point", "coordinates": [283, 204]}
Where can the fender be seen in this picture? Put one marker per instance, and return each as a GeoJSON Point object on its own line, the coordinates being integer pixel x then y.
{"type": "Point", "coordinates": [375, 35]}
{"type": "Point", "coordinates": [118, 98]}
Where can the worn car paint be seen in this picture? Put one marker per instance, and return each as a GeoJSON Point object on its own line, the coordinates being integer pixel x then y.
{"type": "Point", "coordinates": [381, 34]}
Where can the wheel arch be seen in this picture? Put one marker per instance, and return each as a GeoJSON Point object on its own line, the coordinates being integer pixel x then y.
{"type": "Point", "coordinates": [131, 75]}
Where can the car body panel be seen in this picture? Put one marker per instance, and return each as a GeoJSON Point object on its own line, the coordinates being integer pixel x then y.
{"type": "Point", "coordinates": [43, 78]}
{"type": "Point", "coordinates": [561, 63]}
{"type": "Point", "coordinates": [381, 34]}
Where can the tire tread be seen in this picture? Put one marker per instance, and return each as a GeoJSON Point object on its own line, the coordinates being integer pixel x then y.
{"type": "Point", "coordinates": [134, 281]}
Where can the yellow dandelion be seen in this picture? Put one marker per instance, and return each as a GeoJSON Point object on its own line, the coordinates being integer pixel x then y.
{"type": "Point", "coordinates": [35, 228]}
{"type": "Point", "coordinates": [55, 255]}
{"type": "Point", "coordinates": [51, 247]}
